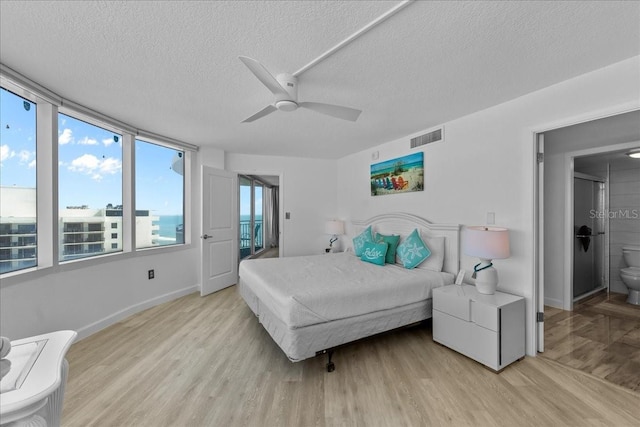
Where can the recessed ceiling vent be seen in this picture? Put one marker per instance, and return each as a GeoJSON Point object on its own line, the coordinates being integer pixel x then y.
{"type": "Point", "coordinates": [428, 138]}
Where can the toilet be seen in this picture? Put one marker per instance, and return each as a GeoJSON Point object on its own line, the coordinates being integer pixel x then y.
{"type": "Point", "coordinates": [631, 275]}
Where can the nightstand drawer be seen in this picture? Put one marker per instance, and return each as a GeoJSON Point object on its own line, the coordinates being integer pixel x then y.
{"type": "Point", "coordinates": [485, 316]}
{"type": "Point", "coordinates": [452, 304]}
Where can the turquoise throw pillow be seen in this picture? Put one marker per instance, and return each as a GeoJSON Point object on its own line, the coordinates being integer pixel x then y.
{"type": "Point", "coordinates": [374, 252]}
{"type": "Point", "coordinates": [412, 251]}
{"type": "Point", "coordinates": [360, 240]}
{"type": "Point", "coordinates": [392, 241]}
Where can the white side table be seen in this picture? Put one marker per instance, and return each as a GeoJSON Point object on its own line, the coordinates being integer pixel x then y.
{"type": "Point", "coordinates": [33, 390]}
{"type": "Point", "coordinates": [487, 328]}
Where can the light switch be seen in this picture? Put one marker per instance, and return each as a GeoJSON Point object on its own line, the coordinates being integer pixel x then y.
{"type": "Point", "coordinates": [491, 218]}
{"type": "Point", "coordinates": [287, 215]}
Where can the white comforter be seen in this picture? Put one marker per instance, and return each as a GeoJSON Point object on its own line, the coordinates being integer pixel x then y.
{"type": "Point", "coordinates": [307, 290]}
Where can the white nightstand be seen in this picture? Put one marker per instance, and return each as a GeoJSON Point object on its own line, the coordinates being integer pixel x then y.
{"type": "Point", "coordinates": [487, 328]}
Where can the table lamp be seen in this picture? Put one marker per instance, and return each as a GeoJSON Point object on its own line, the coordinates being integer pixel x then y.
{"type": "Point", "coordinates": [486, 243]}
{"type": "Point", "coordinates": [334, 227]}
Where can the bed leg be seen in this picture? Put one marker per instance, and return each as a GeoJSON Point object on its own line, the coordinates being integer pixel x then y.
{"type": "Point", "coordinates": [330, 365]}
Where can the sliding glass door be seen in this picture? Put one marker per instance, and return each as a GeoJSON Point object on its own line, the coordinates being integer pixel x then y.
{"type": "Point", "coordinates": [251, 216]}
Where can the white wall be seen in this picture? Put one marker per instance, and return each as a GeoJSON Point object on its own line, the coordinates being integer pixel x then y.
{"type": "Point", "coordinates": [307, 191]}
{"type": "Point", "coordinates": [486, 164]}
{"type": "Point", "coordinates": [89, 295]}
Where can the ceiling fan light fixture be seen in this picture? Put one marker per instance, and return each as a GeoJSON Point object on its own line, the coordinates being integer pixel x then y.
{"type": "Point", "coordinates": [286, 105]}
{"type": "Point", "coordinates": [634, 154]}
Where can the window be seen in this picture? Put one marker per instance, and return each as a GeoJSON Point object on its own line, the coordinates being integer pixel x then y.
{"type": "Point", "coordinates": [89, 186]}
{"type": "Point", "coordinates": [159, 193]}
{"type": "Point", "coordinates": [114, 246]}
{"type": "Point", "coordinates": [18, 214]}
{"type": "Point", "coordinates": [114, 235]}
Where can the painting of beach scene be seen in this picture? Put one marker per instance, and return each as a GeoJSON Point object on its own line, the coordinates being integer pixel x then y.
{"type": "Point", "coordinates": [400, 175]}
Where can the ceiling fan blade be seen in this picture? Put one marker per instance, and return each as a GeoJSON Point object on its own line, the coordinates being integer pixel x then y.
{"type": "Point", "coordinates": [264, 76]}
{"type": "Point", "coordinates": [337, 111]}
{"type": "Point", "coordinates": [266, 110]}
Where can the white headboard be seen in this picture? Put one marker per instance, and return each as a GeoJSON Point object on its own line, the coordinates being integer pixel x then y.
{"type": "Point", "coordinates": [404, 223]}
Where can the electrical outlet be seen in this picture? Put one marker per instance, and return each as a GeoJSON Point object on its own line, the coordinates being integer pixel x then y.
{"type": "Point", "coordinates": [152, 274]}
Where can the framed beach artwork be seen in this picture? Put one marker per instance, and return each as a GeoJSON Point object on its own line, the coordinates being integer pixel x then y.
{"type": "Point", "coordinates": [400, 175]}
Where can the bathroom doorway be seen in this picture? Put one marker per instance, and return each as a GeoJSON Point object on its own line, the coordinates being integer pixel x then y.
{"type": "Point", "coordinates": [589, 225]}
{"type": "Point", "coordinates": [599, 333]}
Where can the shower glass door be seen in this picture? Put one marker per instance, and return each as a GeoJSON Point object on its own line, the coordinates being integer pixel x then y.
{"type": "Point", "coordinates": [589, 229]}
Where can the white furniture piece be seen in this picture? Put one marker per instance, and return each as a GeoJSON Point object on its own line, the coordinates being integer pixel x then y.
{"type": "Point", "coordinates": [487, 328]}
{"type": "Point", "coordinates": [33, 390]}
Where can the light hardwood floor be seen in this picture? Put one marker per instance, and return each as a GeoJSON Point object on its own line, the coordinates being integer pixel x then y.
{"type": "Point", "coordinates": [206, 361]}
{"type": "Point", "coordinates": [600, 336]}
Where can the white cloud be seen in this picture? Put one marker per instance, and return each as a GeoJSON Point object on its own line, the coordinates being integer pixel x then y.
{"type": "Point", "coordinates": [32, 164]}
{"type": "Point", "coordinates": [6, 153]}
{"type": "Point", "coordinates": [107, 141]}
{"type": "Point", "coordinates": [85, 163]}
{"type": "Point", "coordinates": [65, 137]}
{"type": "Point", "coordinates": [110, 165]}
{"type": "Point", "coordinates": [90, 165]}
{"type": "Point", "coordinates": [25, 156]}
{"type": "Point", "coordinates": [88, 141]}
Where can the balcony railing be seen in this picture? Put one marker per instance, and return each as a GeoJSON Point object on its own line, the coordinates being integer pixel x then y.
{"type": "Point", "coordinates": [245, 237]}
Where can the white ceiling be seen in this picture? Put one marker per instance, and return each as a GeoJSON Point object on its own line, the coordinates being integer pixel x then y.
{"type": "Point", "coordinates": [172, 68]}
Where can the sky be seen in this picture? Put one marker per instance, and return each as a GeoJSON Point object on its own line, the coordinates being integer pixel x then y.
{"type": "Point", "coordinates": [245, 200]}
{"type": "Point", "coordinates": [89, 162]}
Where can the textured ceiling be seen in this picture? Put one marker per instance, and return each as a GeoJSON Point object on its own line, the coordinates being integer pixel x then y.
{"type": "Point", "coordinates": [172, 68]}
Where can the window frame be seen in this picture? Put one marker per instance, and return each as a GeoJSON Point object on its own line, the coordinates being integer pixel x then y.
{"type": "Point", "coordinates": [186, 175]}
{"type": "Point", "coordinates": [39, 147]}
{"type": "Point", "coordinates": [48, 105]}
{"type": "Point", "coordinates": [108, 127]}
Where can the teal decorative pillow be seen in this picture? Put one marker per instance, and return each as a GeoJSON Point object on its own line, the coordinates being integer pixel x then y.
{"type": "Point", "coordinates": [374, 252]}
{"type": "Point", "coordinates": [360, 240]}
{"type": "Point", "coordinates": [412, 251]}
{"type": "Point", "coordinates": [392, 241]}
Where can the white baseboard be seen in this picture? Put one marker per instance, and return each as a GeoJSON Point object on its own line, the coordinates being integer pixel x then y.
{"type": "Point", "coordinates": [552, 302]}
{"type": "Point", "coordinates": [136, 308]}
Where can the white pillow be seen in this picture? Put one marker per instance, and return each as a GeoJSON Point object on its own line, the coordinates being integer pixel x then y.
{"type": "Point", "coordinates": [435, 244]}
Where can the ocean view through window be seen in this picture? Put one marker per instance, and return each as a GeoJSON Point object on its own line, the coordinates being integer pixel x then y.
{"type": "Point", "coordinates": [159, 181]}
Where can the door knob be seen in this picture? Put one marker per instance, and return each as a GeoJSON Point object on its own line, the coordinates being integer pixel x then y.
{"type": "Point", "coordinates": [206, 236]}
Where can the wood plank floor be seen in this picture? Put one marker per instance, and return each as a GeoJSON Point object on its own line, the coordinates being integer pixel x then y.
{"type": "Point", "coordinates": [600, 336]}
{"type": "Point", "coordinates": [207, 362]}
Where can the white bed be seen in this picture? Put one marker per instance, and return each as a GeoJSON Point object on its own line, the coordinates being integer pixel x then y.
{"type": "Point", "coordinates": [311, 304]}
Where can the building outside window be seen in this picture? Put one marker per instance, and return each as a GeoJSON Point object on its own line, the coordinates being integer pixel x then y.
{"type": "Point", "coordinates": [89, 182]}
{"type": "Point", "coordinates": [18, 214]}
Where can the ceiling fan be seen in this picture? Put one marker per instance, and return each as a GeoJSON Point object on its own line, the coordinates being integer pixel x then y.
{"type": "Point", "coordinates": [285, 88]}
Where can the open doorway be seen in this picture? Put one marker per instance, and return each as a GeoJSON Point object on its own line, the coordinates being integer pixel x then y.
{"type": "Point", "coordinates": [586, 326]}
{"type": "Point", "coordinates": [259, 201]}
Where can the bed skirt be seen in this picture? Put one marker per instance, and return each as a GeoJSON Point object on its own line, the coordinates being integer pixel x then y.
{"type": "Point", "coordinates": [302, 343]}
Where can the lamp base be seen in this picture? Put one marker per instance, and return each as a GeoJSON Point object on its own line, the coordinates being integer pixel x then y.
{"type": "Point", "coordinates": [487, 280]}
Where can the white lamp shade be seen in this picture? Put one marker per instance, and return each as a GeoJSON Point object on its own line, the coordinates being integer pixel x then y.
{"type": "Point", "coordinates": [486, 242]}
{"type": "Point", "coordinates": [334, 226]}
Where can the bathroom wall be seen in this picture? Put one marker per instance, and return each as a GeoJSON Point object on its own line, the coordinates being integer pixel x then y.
{"type": "Point", "coordinates": [624, 215]}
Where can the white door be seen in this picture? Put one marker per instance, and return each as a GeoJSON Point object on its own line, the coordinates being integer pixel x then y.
{"type": "Point", "coordinates": [219, 230]}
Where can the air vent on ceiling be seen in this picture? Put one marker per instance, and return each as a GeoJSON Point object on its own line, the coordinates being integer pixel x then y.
{"type": "Point", "coordinates": [428, 138]}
